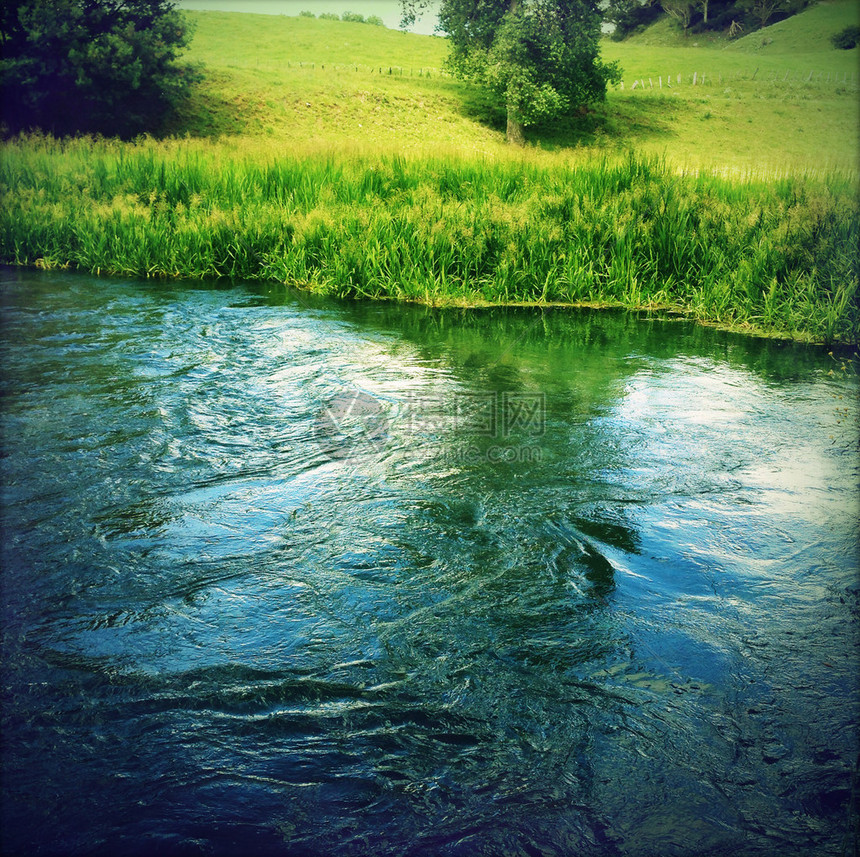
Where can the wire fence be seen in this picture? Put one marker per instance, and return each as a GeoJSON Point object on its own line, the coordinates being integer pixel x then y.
{"type": "Point", "coordinates": [696, 78]}
{"type": "Point", "coordinates": [392, 70]}
{"type": "Point", "coordinates": [849, 80]}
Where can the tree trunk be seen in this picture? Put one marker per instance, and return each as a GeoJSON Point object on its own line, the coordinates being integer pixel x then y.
{"type": "Point", "coordinates": [515, 134]}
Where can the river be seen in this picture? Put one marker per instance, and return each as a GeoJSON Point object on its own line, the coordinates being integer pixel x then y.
{"type": "Point", "coordinates": [289, 576]}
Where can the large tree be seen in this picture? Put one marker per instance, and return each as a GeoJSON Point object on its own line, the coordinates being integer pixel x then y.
{"type": "Point", "coordinates": [539, 57]}
{"type": "Point", "coordinates": [106, 66]}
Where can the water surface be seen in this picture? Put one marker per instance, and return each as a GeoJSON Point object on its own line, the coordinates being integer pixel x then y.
{"type": "Point", "coordinates": [289, 577]}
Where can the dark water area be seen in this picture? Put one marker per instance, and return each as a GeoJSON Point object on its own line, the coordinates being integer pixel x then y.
{"type": "Point", "coordinates": [283, 576]}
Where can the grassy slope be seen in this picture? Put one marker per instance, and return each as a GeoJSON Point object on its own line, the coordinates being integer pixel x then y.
{"type": "Point", "coordinates": [804, 35]}
{"type": "Point", "coordinates": [305, 82]}
{"type": "Point", "coordinates": [758, 110]}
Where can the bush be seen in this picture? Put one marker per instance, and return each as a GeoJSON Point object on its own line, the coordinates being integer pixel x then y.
{"type": "Point", "coordinates": [91, 65]}
{"type": "Point", "coordinates": [374, 20]}
{"type": "Point", "coordinates": [306, 14]}
{"type": "Point", "coordinates": [352, 18]}
{"type": "Point", "coordinates": [329, 16]}
{"type": "Point", "coordinates": [847, 39]}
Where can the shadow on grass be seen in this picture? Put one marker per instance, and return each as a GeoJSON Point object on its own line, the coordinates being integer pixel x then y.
{"type": "Point", "coordinates": [207, 113]}
{"type": "Point", "coordinates": [620, 122]}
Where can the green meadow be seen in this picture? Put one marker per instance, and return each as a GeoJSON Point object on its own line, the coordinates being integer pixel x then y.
{"type": "Point", "coordinates": [781, 100]}
{"type": "Point", "coordinates": [719, 180]}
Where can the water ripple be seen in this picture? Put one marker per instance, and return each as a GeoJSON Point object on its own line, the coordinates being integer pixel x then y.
{"type": "Point", "coordinates": [290, 579]}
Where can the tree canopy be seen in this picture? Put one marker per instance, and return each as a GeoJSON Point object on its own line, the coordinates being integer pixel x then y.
{"type": "Point", "coordinates": [540, 58]}
{"type": "Point", "coordinates": [694, 16]}
{"type": "Point", "coordinates": [106, 66]}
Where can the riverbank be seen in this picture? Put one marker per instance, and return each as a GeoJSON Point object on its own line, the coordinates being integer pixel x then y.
{"type": "Point", "coordinates": [339, 158]}
{"type": "Point", "coordinates": [772, 256]}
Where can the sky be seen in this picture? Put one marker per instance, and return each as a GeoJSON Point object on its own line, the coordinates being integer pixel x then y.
{"type": "Point", "coordinates": [388, 10]}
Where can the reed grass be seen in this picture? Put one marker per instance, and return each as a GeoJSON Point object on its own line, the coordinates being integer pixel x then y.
{"type": "Point", "coordinates": [778, 256]}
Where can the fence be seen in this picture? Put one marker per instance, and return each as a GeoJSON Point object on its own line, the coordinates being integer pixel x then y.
{"type": "Point", "coordinates": [393, 70]}
{"type": "Point", "coordinates": [670, 81]}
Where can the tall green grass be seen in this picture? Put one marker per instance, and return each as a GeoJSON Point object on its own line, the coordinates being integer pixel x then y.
{"type": "Point", "coordinates": [776, 256]}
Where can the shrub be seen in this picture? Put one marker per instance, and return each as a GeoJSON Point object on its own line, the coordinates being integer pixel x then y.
{"type": "Point", "coordinates": [847, 39]}
{"type": "Point", "coordinates": [94, 66]}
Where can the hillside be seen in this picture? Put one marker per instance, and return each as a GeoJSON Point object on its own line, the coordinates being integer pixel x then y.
{"type": "Point", "coordinates": [304, 82]}
{"type": "Point", "coordinates": [328, 82]}
{"type": "Point", "coordinates": [806, 34]}
{"type": "Point", "coordinates": [781, 99]}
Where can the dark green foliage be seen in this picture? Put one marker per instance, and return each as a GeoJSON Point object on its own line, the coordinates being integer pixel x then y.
{"type": "Point", "coordinates": [630, 16]}
{"type": "Point", "coordinates": [760, 13]}
{"type": "Point", "coordinates": [696, 16]}
{"type": "Point", "coordinates": [538, 57]}
{"type": "Point", "coordinates": [847, 38]}
{"type": "Point", "coordinates": [104, 66]}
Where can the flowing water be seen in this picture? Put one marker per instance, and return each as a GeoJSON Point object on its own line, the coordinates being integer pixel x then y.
{"type": "Point", "coordinates": [283, 576]}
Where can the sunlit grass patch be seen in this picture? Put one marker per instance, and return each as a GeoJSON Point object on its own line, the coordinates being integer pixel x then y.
{"type": "Point", "coordinates": [295, 80]}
